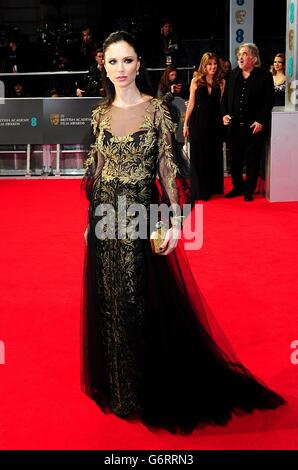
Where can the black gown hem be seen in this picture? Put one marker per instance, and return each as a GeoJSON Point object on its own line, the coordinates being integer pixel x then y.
{"type": "Point", "coordinates": [190, 424]}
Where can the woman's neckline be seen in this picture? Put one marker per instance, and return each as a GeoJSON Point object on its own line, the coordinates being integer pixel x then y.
{"type": "Point", "coordinates": [133, 105]}
{"type": "Point", "coordinates": [280, 79]}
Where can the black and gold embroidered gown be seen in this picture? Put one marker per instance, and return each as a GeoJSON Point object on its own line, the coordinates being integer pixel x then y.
{"type": "Point", "coordinates": [151, 349]}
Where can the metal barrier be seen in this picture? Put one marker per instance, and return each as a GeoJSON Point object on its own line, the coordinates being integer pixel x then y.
{"type": "Point", "coordinates": [30, 152]}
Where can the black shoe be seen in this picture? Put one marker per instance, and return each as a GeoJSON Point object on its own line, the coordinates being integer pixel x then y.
{"type": "Point", "coordinates": [248, 197]}
{"type": "Point", "coordinates": [235, 192]}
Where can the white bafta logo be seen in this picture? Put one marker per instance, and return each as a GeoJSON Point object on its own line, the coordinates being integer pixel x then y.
{"type": "Point", "coordinates": [240, 16]}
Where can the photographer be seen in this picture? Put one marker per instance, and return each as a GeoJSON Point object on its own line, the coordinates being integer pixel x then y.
{"type": "Point", "coordinates": [169, 47]}
{"type": "Point", "coordinates": [168, 89]}
{"type": "Point", "coordinates": [92, 84]}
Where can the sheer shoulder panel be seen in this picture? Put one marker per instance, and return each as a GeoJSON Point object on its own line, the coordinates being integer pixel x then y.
{"type": "Point", "coordinates": [126, 121]}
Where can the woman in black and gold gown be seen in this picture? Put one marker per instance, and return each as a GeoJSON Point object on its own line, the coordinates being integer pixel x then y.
{"type": "Point", "coordinates": [151, 350]}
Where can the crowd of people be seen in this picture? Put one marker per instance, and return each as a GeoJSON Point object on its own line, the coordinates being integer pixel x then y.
{"type": "Point", "coordinates": [219, 106]}
{"type": "Point", "coordinates": [232, 106]}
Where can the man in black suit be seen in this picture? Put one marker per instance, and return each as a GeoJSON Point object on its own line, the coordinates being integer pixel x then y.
{"type": "Point", "coordinates": [92, 84]}
{"type": "Point", "coordinates": [246, 107]}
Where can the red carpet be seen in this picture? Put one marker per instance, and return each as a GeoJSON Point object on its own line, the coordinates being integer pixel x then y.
{"type": "Point", "coordinates": [247, 270]}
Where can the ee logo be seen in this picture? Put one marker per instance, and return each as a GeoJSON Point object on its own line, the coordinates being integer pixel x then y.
{"type": "Point", "coordinates": [239, 35]}
{"type": "Point", "coordinates": [290, 66]}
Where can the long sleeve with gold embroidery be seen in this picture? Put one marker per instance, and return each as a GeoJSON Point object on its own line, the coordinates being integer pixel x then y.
{"type": "Point", "coordinates": [170, 160]}
{"type": "Point", "coordinates": [95, 160]}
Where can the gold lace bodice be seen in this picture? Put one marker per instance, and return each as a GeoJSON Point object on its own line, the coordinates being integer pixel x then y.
{"type": "Point", "coordinates": [134, 145]}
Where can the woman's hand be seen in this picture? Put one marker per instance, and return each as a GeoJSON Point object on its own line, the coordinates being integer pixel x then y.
{"type": "Point", "coordinates": [185, 132]}
{"type": "Point", "coordinates": [79, 92]}
{"type": "Point", "coordinates": [227, 120]}
{"type": "Point", "coordinates": [256, 127]}
{"type": "Point", "coordinates": [176, 88]}
{"type": "Point", "coordinates": [171, 240]}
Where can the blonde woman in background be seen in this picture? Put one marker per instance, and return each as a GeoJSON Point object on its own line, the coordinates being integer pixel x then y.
{"type": "Point", "coordinates": [203, 126]}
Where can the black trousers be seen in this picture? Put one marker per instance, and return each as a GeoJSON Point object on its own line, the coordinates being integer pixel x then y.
{"type": "Point", "coordinates": [245, 147]}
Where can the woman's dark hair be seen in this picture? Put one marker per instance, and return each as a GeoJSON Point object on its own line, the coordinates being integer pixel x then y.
{"type": "Point", "coordinates": [165, 83]}
{"type": "Point", "coordinates": [142, 79]}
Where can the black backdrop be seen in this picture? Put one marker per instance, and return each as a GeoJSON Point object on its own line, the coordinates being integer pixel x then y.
{"type": "Point", "coordinates": [207, 20]}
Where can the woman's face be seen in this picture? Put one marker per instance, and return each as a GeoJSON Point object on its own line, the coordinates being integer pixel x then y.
{"type": "Point", "coordinates": [211, 67]}
{"type": "Point", "coordinates": [172, 76]}
{"type": "Point", "coordinates": [166, 29]}
{"type": "Point", "coordinates": [225, 66]}
{"type": "Point", "coordinates": [278, 64]}
{"type": "Point", "coordinates": [121, 64]}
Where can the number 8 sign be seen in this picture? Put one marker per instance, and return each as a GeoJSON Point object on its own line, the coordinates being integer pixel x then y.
{"type": "Point", "coordinates": [239, 35]}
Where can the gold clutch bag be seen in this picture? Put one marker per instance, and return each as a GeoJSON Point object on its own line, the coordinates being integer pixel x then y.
{"type": "Point", "coordinates": [158, 237]}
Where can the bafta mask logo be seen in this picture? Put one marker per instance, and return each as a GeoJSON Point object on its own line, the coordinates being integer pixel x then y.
{"type": "Point", "coordinates": [289, 91]}
{"type": "Point", "coordinates": [240, 16]}
{"type": "Point", "coordinates": [291, 39]}
{"type": "Point", "coordinates": [55, 119]}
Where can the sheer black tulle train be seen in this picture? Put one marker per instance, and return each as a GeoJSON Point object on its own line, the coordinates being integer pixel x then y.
{"type": "Point", "coordinates": [157, 360]}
